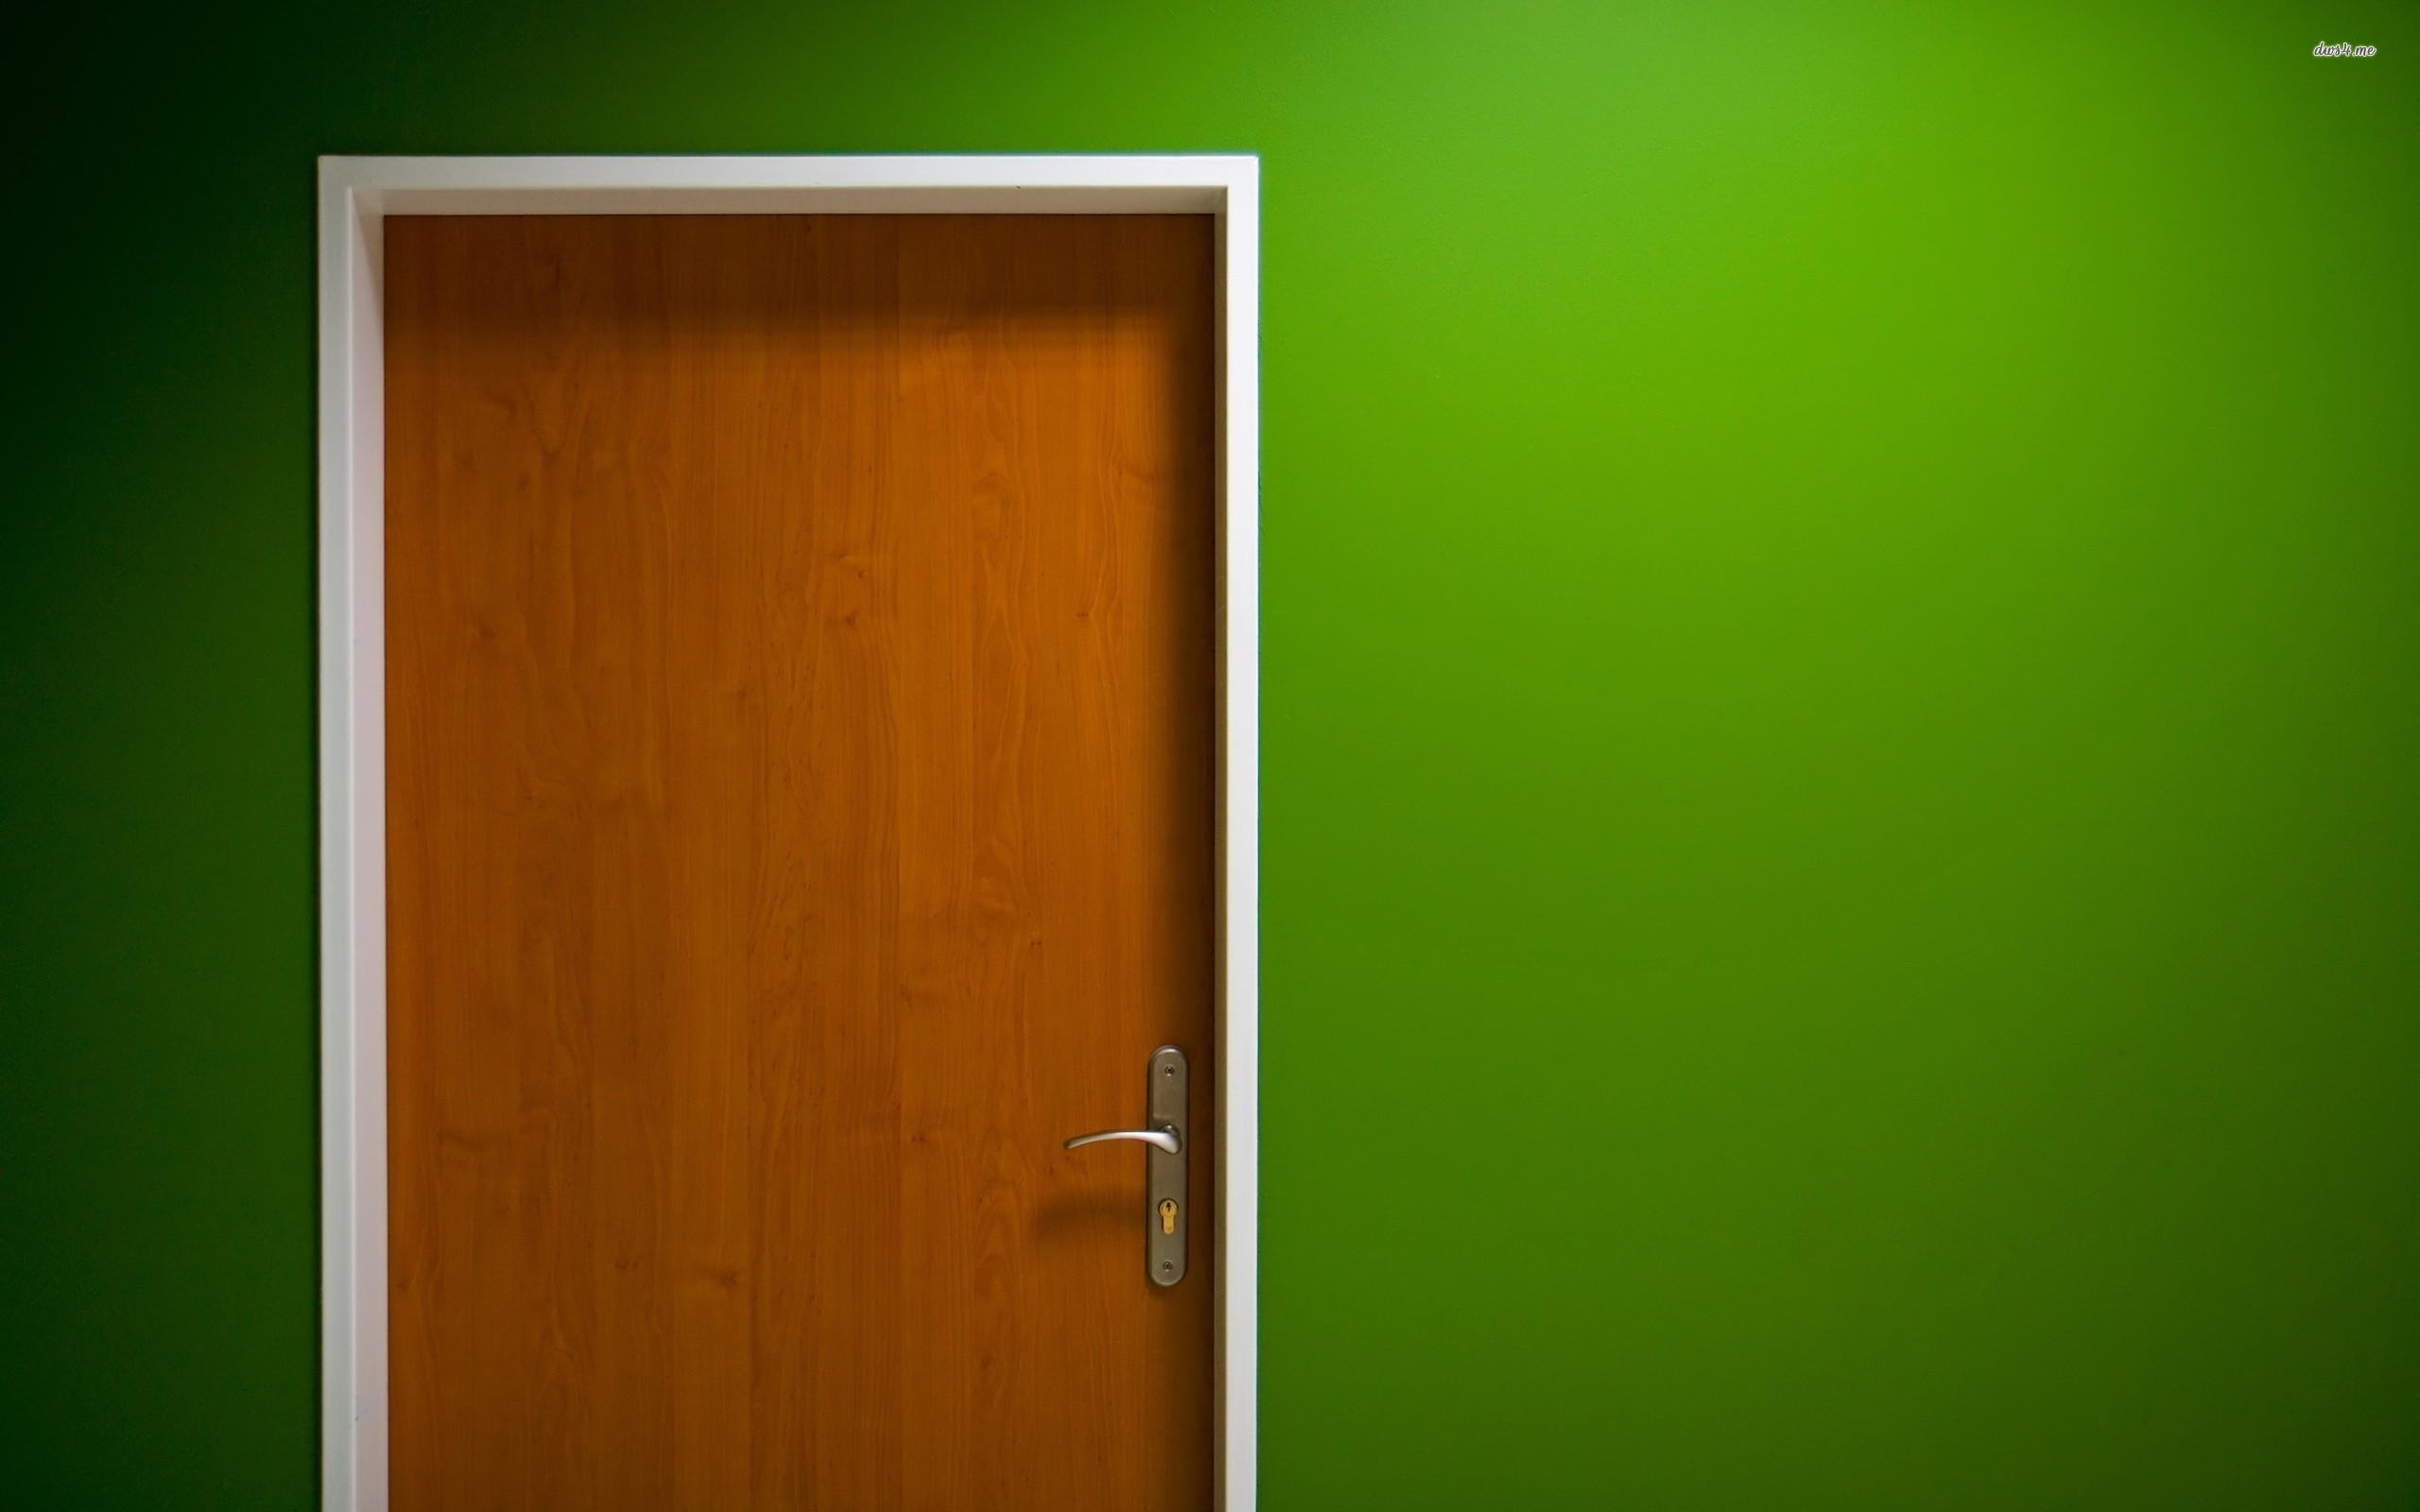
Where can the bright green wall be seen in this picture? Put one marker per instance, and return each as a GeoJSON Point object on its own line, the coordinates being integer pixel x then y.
{"type": "Point", "coordinates": [1842, 655]}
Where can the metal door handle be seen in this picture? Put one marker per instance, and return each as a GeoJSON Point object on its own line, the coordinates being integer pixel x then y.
{"type": "Point", "coordinates": [1166, 1092]}
{"type": "Point", "coordinates": [1159, 1139]}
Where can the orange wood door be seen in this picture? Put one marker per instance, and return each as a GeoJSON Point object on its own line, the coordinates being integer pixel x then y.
{"type": "Point", "coordinates": [799, 679]}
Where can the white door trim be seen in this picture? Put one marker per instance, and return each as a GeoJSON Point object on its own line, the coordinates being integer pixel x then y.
{"type": "Point", "coordinates": [355, 197]}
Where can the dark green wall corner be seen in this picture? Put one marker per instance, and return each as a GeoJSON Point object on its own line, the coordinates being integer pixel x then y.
{"type": "Point", "coordinates": [1842, 663]}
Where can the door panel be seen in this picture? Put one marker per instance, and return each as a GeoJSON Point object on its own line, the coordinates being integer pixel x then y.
{"type": "Point", "coordinates": [800, 697]}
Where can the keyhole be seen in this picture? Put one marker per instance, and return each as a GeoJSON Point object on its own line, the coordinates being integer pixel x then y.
{"type": "Point", "coordinates": [1168, 1215]}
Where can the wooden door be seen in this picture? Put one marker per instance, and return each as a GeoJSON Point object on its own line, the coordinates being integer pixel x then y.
{"type": "Point", "coordinates": [800, 715]}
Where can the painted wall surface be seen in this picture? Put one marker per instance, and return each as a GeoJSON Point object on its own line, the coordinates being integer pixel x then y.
{"type": "Point", "coordinates": [1843, 714]}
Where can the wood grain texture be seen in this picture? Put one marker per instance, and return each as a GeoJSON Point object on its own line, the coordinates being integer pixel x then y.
{"type": "Point", "coordinates": [799, 695]}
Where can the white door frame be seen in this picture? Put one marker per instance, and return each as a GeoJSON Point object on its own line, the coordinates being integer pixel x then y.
{"type": "Point", "coordinates": [355, 197]}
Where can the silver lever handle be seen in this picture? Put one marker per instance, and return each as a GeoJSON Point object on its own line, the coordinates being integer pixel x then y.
{"type": "Point", "coordinates": [1159, 1139]}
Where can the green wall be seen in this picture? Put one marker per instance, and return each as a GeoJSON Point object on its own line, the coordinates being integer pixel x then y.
{"type": "Point", "coordinates": [1842, 658]}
